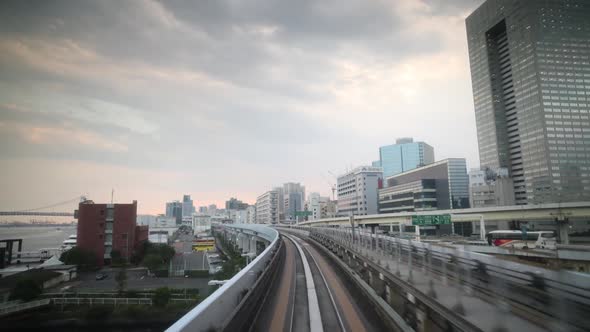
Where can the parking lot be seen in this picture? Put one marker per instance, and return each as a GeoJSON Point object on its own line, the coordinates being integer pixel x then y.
{"type": "Point", "coordinates": [137, 279]}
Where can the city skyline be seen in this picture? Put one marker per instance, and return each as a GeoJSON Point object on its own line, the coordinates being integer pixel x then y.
{"type": "Point", "coordinates": [94, 102]}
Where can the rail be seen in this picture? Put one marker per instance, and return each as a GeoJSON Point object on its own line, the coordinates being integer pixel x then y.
{"type": "Point", "coordinates": [212, 313]}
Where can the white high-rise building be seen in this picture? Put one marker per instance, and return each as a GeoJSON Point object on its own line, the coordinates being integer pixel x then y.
{"type": "Point", "coordinates": [201, 223]}
{"type": "Point", "coordinates": [313, 205]}
{"type": "Point", "coordinates": [358, 191]}
{"type": "Point", "coordinates": [251, 210]}
{"type": "Point", "coordinates": [490, 188]}
{"type": "Point", "coordinates": [145, 219]}
{"type": "Point", "coordinates": [281, 202]}
{"type": "Point", "coordinates": [240, 216]}
{"type": "Point", "coordinates": [267, 208]}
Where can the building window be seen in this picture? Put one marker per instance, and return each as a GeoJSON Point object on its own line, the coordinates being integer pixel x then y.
{"type": "Point", "coordinates": [110, 213]}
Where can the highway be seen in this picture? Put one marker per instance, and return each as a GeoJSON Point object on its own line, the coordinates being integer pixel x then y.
{"type": "Point", "coordinates": [311, 294]}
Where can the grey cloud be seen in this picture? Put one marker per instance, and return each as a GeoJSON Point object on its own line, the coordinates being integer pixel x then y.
{"type": "Point", "coordinates": [273, 60]}
{"type": "Point", "coordinates": [212, 38]}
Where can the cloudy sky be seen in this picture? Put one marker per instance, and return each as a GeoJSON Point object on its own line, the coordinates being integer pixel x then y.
{"type": "Point", "coordinates": [220, 98]}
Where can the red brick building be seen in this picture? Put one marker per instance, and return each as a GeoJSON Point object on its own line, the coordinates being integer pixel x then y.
{"type": "Point", "coordinates": [103, 228]}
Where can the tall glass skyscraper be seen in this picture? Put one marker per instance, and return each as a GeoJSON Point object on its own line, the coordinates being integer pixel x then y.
{"type": "Point", "coordinates": [530, 71]}
{"type": "Point", "coordinates": [403, 156]}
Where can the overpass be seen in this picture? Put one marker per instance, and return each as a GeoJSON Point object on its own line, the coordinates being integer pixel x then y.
{"type": "Point", "coordinates": [333, 278]}
{"type": "Point", "coordinates": [561, 213]}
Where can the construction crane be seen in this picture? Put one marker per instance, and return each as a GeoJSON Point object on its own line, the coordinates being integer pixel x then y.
{"type": "Point", "coordinates": [331, 183]}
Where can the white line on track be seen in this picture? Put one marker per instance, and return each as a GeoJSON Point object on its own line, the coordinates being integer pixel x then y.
{"type": "Point", "coordinates": [315, 317]}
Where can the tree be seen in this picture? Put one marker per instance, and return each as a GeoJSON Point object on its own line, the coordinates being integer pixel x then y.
{"type": "Point", "coordinates": [26, 290]}
{"type": "Point", "coordinates": [152, 262]}
{"type": "Point", "coordinates": [165, 251]}
{"type": "Point", "coordinates": [121, 279]}
{"type": "Point", "coordinates": [80, 257]}
{"type": "Point", "coordinates": [161, 297]}
{"type": "Point", "coordinates": [116, 258]}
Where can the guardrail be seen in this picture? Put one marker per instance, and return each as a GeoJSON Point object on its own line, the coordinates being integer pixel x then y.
{"type": "Point", "coordinates": [100, 300]}
{"type": "Point", "coordinates": [213, 313]}
{"type": "Point", "coordinates": [23, 306]}
{"type": "Point", "coordinates": [111, 300]}
{"type": "Point", "coordinates": [563, 295]}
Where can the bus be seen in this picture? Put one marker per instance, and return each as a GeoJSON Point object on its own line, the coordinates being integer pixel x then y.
{"type": "Point", "coordinates": [514, 239]}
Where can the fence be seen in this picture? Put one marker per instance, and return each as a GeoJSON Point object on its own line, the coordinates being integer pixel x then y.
{"type": "Point", "coordinates": [110, 300]}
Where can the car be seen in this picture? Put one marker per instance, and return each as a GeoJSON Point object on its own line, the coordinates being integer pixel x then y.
{"type": "Point", "coordinates": [101, 276]}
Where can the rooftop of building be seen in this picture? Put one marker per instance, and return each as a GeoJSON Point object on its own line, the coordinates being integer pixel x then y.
{"type": "Point", "coordinates": [363, 169]}
{"type": "Point", "coordinates": [421, 168]}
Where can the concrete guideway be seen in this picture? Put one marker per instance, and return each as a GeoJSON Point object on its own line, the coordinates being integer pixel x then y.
{"type": "Point", "coordinates": [330, 311]}
{"type": "Point", "coordinates": [315, 317]}
{"type": "Point", "coordinates": [343, 303]}
{"type": "Point", "coordinates": [278, 311]}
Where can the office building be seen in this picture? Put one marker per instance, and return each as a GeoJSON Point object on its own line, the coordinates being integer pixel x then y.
{"type": "Point", "coordinates": [104, 228]}
{"type": "Point", "coordinates": [201, 223]}
{"type": "Point", "coordinates": [403, 156]}
{"type": "Point", "coordinates": [251, 214]}
{"type": "Point", "coordinates": [240, 216]}
{"type": "Point", "coordinates": [203, 209]}
{"type": "Point", "coordinates": [174, 209]}
{"type": "Point", "coordinates": [145, 219]}
{"type": "Point", "coordinates": [329, 207]}
{"type": "Point", "coordinates": [235, 204]}
{"type": "Point", "coordinates": [357, 191]}
{"type": "Point", "coordinates": [281, 202]}
{"type": "Point", "coordinates": [163, 222]}
{"type": "Point", "coordinates": [489, 188]}
{"type": "Point", "coordinates": [313, 206]}
{"type": "Point", "coordinates": [320, 207]}
{"type": "Point", "coordinates": [267, 208]}
{"type": "Point", "coordinates": [212, 209]}
{"type": "Point", "coordinates": [442, 185]}
{"type": "Point", "coordinates": [293, 200]}
{"type": "Point", "coordinates": [530, 73]}
{"type": "Point", "coordinates": [188, 208]}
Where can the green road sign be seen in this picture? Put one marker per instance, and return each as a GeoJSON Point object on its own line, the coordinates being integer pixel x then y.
{"type": "Point", "coordinates": [303, 213]}
{"type": "Point", "coordinates": [441, 219]}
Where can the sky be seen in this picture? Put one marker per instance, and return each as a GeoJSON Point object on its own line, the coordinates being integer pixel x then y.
{"type": "Point", "coordinates": [223, 98]}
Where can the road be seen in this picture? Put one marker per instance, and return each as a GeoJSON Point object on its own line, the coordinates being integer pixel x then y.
{"type": "Point", "coordinates": [288, 307]}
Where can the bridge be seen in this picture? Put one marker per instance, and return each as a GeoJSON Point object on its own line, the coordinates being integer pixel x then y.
{"type": "Point", "coordinates": [45, 211]}
{"type": "Point", "coordinates": [36, 213]}
{"type": "Point", "coordinates": [351, 279]}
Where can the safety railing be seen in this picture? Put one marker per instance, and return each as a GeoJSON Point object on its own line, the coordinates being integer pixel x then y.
{"type": "Point", "coordinates": [213, 313]}
{"type": "Point", "coordinates": [563, 295]}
